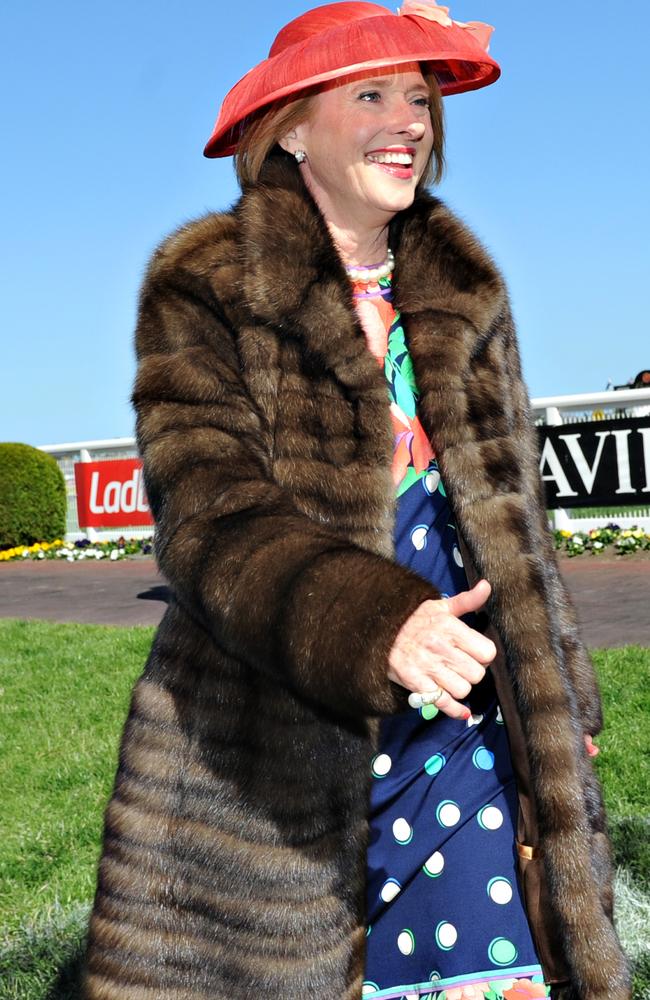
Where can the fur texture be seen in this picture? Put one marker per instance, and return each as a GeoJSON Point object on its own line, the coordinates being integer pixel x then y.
{"type": "Point", "coordinates": [234, 851]}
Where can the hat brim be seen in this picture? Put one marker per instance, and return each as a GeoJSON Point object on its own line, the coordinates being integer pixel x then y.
{"type": "Point", "coordinates": [456, 58]}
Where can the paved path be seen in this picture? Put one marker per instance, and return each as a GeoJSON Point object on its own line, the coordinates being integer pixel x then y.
{"type": "Point", "coordinates": [612, 594]}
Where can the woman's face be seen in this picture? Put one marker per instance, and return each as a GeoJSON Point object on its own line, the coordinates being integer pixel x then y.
{"type": "Point", "coordinates": [368, 143]}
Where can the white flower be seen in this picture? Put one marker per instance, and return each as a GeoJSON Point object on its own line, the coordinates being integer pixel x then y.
{"type": "Point", "coordinates": [41, 555]}
{"type": "Point", "coordinates": [577, 540]}
{"type": "Point", "coordinates": [25, 554]}
{"type": "Point", "coordinates": [69, 558]}
{"type": "Point", "coordinates": [82, 555]}
{"type": "Point", "coordinates": [597, 545]}
{"type": "Point", "coordinates": [115, 554]}
{"type": "Point", "coordinates": [99, 554]}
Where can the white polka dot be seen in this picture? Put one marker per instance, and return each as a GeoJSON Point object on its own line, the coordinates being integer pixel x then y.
{"type": "Point", "coordinates": [474, 720]}
{"type": "Point", "coordinates": [448, 813]}
{"type": "Point", "coordinates": [419, 537]}
{"type": "Point", "coordinates": [490, 818]}
{"type": "Point", "coordinates": [499, 890]}
{"type": "Point", "coordinates": [434, 865]}
{"type": "Point", "coordinates": [390, 889]}
{"type": "Point", "coordinates": [402, 831]}
{"type": "Point", "coordinates": [406, 942]}
{"type": "Point", "coordinates": [431, 481]}
{"type": "Point", "coordinates": [458, 559]}
{"type": "Point", "coordinates": [446, 935]}
{"type": "Point", "coordinates": [367, 988]}
{"type": "Point", "coordinates": [381, 765]}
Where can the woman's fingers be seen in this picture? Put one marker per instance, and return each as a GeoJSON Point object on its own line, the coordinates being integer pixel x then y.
{"type": "Point", "coordinates": [440, 699]}
{"type": "Point", "coordinates": [469, 600]}
{"type": "Point", "coordinates": [460, 648]}
{"type": "Point", "coordinates": [442, 619]}
{"type": "Point", "coordinates": [415, 670]}
{"type": "Point", "coordinates": [434, 648]}
{"type": "Point", "coordinates": [450, 681]}
{"type": "Point", "coordinates": [451, 707]}
{"type": "Point", "coordinates": [421, 660]}
{"type": "Point", "coordinates": [443, 627]}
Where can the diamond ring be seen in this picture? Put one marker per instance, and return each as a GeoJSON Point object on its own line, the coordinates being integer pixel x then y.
{"type": "Point", "coordinates": [419, 698]}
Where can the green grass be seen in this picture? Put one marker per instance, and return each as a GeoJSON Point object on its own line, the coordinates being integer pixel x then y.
{"type": "Point", "coordinates": [624, 676]}
{"type": "Point", "coordinates": [64, 692]}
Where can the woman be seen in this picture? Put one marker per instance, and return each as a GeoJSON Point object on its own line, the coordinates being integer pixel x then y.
{"type": "Point", "coordinates": [338, 453]}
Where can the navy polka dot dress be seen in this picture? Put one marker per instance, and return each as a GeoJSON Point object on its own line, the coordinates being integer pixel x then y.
{"type": "Point", "coordinates": [444, 907]}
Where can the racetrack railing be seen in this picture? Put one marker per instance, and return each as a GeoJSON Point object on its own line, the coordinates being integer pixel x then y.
{"type": "Point", "coordinates": [551, 411]}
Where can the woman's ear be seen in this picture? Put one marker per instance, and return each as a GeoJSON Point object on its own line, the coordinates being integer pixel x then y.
{"type": "Point", "coordinates": [289, 141]}
{"type": "Point", "coordinates": [293, 140]}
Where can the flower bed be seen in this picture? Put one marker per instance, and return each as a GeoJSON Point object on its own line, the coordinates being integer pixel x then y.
{"type": "Point", "coordinates": [77, 551]}
{"type": "Point", "coordinates": [612, 537]}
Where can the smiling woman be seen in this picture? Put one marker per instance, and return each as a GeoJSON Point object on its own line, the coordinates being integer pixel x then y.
{"type": "Point", "coordinates": [323, 790]}
{"type": "Point", "coordinates": [383, 132]}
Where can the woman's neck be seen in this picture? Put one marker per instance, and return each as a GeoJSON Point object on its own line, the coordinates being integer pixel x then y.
{"type": "Point", "coordinates": [359, 241]}
{"type": "Point", "coordinates": [360, 247]}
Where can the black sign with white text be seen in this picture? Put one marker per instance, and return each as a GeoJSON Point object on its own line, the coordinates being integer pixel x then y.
{"type": "Point", "coordinates": [599, 463]}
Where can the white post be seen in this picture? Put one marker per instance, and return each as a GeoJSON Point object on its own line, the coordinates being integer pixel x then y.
{"type": "Point", "coordinates": [85, 456]}
{"type": "Point", "coordinates": [560, 518]}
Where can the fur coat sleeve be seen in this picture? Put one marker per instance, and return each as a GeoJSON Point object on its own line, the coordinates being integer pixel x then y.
{"type": "Point", "coordinates": [274, 587]}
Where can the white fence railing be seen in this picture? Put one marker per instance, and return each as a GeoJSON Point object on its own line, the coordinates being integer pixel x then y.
{"type": "Point", "coordinates": [550, 410]}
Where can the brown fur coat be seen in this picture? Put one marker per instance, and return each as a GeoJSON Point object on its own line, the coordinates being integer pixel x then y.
{"type": "Point", "coordinates": [234, 853]}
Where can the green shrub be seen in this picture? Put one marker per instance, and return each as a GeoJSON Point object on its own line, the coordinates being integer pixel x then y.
{"type": "Point", "coordinates": [32, 496]}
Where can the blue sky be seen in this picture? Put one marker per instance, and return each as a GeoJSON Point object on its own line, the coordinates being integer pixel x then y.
{"type": "Point", "coordinates": [105, 112]}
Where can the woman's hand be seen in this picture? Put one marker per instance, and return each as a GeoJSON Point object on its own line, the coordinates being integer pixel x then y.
{"type": "Point", "coordinates": [434, 648]}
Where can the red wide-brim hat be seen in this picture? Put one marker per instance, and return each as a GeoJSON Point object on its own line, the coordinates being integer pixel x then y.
{"type": "Point", "coordinates": [349, 37]}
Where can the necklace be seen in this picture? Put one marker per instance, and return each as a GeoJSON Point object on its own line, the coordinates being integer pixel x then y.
{"type": "Point", "coordinates": [372, 272]}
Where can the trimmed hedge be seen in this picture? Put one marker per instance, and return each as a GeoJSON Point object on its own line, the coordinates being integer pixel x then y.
{"type": "Point", "coordinates": [32, 496]}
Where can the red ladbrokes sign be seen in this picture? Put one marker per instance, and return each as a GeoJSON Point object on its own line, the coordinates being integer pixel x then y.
{"type": "Point", "coordinates": [111, 494]}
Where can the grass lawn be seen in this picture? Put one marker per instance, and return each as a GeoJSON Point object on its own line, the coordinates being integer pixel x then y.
{"type": "Point", "coordinates": [64, 692]}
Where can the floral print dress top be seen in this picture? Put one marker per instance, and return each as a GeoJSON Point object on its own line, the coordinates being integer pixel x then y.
{"type": "Point", "coordinates": [444, 906]}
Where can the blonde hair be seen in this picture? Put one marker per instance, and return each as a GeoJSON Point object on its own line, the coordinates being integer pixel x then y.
{"type": "Point", "coordinates": [261, 133]}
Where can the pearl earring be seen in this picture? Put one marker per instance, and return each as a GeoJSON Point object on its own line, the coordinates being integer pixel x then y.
{"type": "Point", "coordinates": [300, 155]}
